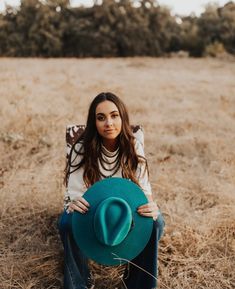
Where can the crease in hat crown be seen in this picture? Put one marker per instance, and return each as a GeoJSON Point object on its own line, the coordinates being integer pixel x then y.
{"type": "Point", "coordinates": [112, 221]}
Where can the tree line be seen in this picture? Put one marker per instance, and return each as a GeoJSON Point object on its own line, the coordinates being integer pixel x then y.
{"type": "Point", "coordinates": [52, 28]}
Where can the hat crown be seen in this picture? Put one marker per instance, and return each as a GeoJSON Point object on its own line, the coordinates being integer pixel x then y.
{"type": "Point", "coordinates": [112, 221]}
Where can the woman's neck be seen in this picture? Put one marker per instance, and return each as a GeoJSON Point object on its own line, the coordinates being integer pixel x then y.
{"type": "Point", "coordinates": [110, 145]}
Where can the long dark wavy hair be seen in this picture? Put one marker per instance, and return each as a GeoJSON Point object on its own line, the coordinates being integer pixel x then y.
{"type": "Point", "coordinates": [90, 148]}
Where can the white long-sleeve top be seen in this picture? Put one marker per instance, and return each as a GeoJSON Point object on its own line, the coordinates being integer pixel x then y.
{"type": "Point", "coordinates": [76, 186]}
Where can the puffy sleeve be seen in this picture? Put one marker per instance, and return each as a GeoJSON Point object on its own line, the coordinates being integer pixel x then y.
{"type": "Point", "coordinates": [76, 186]}
{"type": "Point", "coordinates": [142, 172]}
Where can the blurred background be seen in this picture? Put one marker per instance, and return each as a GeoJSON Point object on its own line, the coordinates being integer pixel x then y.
{"type": "Point", "coordinates": [58, 28]}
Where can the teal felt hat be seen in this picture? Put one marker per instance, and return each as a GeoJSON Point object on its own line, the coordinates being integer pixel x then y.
{"type": "Point", "coordinates": [112, 232]}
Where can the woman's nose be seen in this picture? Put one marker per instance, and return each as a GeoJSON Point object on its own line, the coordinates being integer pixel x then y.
{"type": "Point", "coordinates": [109, 122]}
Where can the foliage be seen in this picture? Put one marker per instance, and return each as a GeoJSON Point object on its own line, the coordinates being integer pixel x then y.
{"type": "Point", "coordinates": [214, 49]}
{"type": "Point", "coordinates": [52, 28]}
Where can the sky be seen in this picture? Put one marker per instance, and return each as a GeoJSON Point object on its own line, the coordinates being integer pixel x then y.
{"type": "Point", "coordinates": [181, 7]}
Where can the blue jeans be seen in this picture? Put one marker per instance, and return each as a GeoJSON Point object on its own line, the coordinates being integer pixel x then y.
{"type": "Point", "coordinates": [76, 271]}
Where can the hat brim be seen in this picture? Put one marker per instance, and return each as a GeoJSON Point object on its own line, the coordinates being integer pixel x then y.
{"type": "Point", "coordinates": [137, 238]}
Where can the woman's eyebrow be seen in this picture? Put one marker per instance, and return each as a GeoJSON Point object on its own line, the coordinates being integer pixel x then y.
{"type": "Point", "coordinates": [101, 113]}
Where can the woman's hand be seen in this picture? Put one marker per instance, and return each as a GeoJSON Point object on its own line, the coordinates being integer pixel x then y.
{"type": "Point", "coordinates": [149, 210]}
{"type": "Point", "coordinates": [80, 205]}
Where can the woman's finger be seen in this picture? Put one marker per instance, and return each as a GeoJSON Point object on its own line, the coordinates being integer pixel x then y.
{"type": "Point", "coordinates": [80, 205]}
{"type": "Point", "coordinates": [152, 214]}
{"type": "Point", "coordinates": [147, 214]}
{"type": "Point", "coordinates": [148, 208]}
{"type": "Point", "coordinates": [77, 208]}
{"type": "Point", "coordinates": [145, 210]}
{"type": "Point", "coordinates": [84, 202]}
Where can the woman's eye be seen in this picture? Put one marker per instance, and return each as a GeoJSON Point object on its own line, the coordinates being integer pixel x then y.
{"type": "Point", "coordinates": [101, 118]}
{"type": "Point", "coordinates": [115, 115]}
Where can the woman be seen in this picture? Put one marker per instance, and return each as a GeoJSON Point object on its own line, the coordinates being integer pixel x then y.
{"type": "Point", "coordinates": [107, 148]}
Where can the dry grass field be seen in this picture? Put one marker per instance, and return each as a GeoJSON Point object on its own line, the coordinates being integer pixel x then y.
{"type": "Point", "coordinates": [187, 109]}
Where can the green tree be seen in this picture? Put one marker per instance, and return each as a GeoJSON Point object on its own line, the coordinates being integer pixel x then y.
{"type": "Point", "coordinates": [227, 26]}
{"type": "Point", "coordinates": [190, 37]}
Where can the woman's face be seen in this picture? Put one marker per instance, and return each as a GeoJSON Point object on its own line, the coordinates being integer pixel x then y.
{"type": "Point", "coordinates": [108, 120]}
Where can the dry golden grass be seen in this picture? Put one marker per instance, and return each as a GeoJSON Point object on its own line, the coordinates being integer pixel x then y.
{"type": "Point", "coordinates": [187, 108]}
